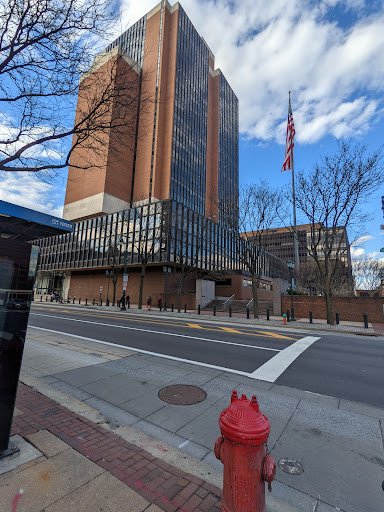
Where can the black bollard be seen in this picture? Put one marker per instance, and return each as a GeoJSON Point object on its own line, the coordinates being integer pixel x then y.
{"type": "Point", "coordinates": [198, 309]}
{"type": "Point", "coordinates": [267, 314]}
{"type": "Point", "coordinates": [185, 308]}
{"type": "Point", "coordinates": [93, 302]}
{"type": "Point", "coordinates": [73, 300]}
{"type": "Point", "coordinates": [46, 299]}
{"type": "Point", "coordinates": [86, 302]}
{"type": "Point", "coordinates": [247, 313]}
{"type": "Point", "coordinates": [310, 317]}
{"type": "Point", "coordinates": [107, 302]}
{"type": "Point", "coordinates": [101, 302]}
{"type": "Point", "coordinates": [214, 310]}
{"type": "Point", "coordinates": [288, 319]}
{"type": "Point", "coordinates": [172, 308]}
{"type": "Point", "coordinates": [41, 298]}
{"type": "Point", "coordinates": [366, 320]}
{"type": "Point", "coordinates": [79, 301]}
{"type": "Point", "coordinates": [230, 311]}
{"type": "Point", "coordinates": [337, 319]}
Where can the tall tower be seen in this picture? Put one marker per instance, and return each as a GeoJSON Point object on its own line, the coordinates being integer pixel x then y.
{"type": "Point", "coordinates": [185, 140]}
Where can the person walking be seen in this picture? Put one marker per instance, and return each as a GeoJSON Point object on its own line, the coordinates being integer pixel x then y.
{"type": "Point", "coordinates": [160, 302]}
{"type": "Point", "coordinates": [149, 302]}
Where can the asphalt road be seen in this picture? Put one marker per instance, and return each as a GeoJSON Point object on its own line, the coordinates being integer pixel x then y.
{"type": "Point", "coordinates": [339, 365]}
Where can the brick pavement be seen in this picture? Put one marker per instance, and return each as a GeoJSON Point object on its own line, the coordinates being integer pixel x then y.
{"type": "Point", "coordinates": [155, 480]}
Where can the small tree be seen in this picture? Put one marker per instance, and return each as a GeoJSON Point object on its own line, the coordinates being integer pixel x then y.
{"type": "Point", "coordinates": [368, 273]}
{"type": "Point", "coordinates": [258, 210]}
{"type": "Point", "coordinates": [113, 262]}
{"type": "Point", "coordinates": [331, 197]}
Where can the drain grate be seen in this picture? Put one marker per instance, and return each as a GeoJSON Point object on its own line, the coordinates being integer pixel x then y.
{"type": "Point", "coordinates": [291, 466]}
{"type": "Point", "coordinates": [182, 394]}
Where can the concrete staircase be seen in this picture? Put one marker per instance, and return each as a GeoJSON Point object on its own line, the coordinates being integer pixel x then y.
{"type": "Point", "coordinates": [240, 306]}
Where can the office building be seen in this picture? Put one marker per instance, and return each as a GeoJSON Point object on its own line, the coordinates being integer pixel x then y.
{"type": "Point", "coordinates": [158, 194]}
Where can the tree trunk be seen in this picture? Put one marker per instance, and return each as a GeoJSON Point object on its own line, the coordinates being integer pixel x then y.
{"type": "Point", "coordinates": [140, 305]}
{"type": "Point", "coordinates": [114, 292]}
{"type": "Point", "coordinates": [329, 306]}
{"type": "Point", "coordinates": [179, 291]}
{"type": "Point", "coordinates": [255, 283]}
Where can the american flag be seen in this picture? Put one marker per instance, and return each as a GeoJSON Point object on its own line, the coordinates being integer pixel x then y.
{"type": "Point", "coordinates": [288, 160]}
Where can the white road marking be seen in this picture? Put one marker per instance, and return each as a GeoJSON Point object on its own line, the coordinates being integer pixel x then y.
{"type": "Point", "coordinates": [183, 444]}
{"type": "Point", "coordinates": [273, 368]}
{"type": "Point", "coordinates": [157, 332]}
{"type": "Point", "coordinates": [134, 349]}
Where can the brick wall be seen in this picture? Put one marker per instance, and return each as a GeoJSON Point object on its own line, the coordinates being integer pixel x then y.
{"type": "Point", "coordinates": [349, 308]}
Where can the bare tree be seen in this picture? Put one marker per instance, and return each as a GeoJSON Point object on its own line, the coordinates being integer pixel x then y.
{"type": "Point", "coordinates": [368, 273]}
{"type": "Point", "coordinates": [258, 210]}
{"type": "Point", "coordinates": [115, 268]}
{"type": "Point", "coordinates": [46, 51]}
{"type": "Point", "coordinates": [331, 197]}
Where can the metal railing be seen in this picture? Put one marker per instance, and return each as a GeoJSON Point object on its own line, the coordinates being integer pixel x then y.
{"type": "Point", "coordinates": [228, 301]}
{"type": "Point", "coordinates": [250, 304]}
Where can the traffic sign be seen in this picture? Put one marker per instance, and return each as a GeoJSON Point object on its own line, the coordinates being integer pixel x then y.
{"type": "Point", "coordinates": [124, 287]}
{"type": "Point", "coordinates": [125, 278]}
{"type": "Point", "coordinates": [101, 289]}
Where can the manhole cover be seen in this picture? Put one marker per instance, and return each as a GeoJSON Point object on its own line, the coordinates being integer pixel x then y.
{"type": "Point", "coordinates": [181, 394]}
{"type": "Point", "coordinates": [291, 466]}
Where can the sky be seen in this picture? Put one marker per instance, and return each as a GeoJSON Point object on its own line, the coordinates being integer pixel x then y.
{"type": "Point", "coordinates": [328, 53]}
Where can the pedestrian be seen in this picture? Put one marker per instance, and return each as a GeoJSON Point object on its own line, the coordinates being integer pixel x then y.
{"type": "Point", "coordinates": [122, 300]}
{"type": "Point", "coordinates": [149, 302]}
{"type": "Point", "coordinates": [160, 302]}
{"type": "Point", "coordinates": [128, 300]}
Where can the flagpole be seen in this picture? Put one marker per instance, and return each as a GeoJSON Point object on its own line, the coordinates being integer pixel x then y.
{"type": "Point", "coordinates": [295, 237]}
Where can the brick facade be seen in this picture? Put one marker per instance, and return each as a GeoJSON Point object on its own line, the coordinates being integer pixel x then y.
{"type": "Point", "coordinates": [349, 308]}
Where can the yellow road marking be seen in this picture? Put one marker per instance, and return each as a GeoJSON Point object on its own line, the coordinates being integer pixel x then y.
{"type": "Point", "coordinates": [228, 329]}
{"type": "Point", "coordinates": [173, 324]}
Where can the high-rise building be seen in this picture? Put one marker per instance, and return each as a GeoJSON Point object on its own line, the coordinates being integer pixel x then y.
{"type": "Point", "coordinates": [183, 145]}
{"type": "Point", "coordinates": [157, 192]}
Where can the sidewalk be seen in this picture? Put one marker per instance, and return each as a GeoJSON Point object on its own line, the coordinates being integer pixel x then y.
{"type": "Point", "coordinates": [274, 321]}
{"type": "Point", "coordinates": [109, 403]}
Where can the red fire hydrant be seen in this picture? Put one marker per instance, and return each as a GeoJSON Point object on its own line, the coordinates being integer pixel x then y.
{"type": "Point", "coordinates": [242, 448]}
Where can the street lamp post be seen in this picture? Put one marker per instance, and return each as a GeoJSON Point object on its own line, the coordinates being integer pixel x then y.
{"type": "Point", "coordinates": [125, 277]}
{"type": "Point", "coordinates": [291, 265]}
{"type": "Point", "coordinates": [166, 270]}
{"type": "Point", "coordinates": [109, 274]}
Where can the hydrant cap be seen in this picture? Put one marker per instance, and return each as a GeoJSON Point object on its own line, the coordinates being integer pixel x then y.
{"type": "Point", "coordinates": [243, 422]}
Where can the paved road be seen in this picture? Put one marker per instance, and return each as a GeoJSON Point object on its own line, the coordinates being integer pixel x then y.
{"type": "Point", "coordinates": [339, 365]}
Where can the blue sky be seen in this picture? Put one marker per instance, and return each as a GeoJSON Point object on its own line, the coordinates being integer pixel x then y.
{"type": "Point", "coordinates": [329, 53]}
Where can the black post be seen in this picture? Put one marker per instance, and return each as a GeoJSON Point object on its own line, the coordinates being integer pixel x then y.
{"type": "Point", "coordinates": [101, 302]}
{"type": "Point", "coordinates": [247, 313]}
{"type": "Point", "coordinates": [310, 317]}
{"type": "Point", "coordinates": [230, 311]}
{"type": "Point", "coordinates": [41, 298]}
{"type": "Point", "coordinates": [366, 320]}
{"type": "Point", "coordinates": [267, 314]}
{"type": "Point", "coordinates": [198, 309]}
{"type": "Point", "coordinates": [79, 301]}
{"type": "Point", "coordinates": [288, 320]}
{"type": "Point", "coordinates": [337, 319]}
{"type": "Point", "coordinates": [172, 308]}
{"type": "Point", "coordinates": [86, 302]}
{"type": "Point", "coordinates": [107, 302]}
{"type": "Point", "coordinates": [293, 315]}
{"type": "Point", "coordinates": [165, 305]}
{"type": "Point", "coordinates": [93, 302]}
{"type": "Point", "coordinates": [214, 310]}
{"type": "Point", "coordinates": [73, 300]}
{"type": "Point", "coordinates": [185, 308]}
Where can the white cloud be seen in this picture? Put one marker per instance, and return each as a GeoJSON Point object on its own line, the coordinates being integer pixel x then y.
{"type": "Point", "coordinates": [362, 240]}
{"type": "Point", "coordinates": [23, 190]}
{"type": "Point", "coordinates": [357, 253]}
{"type": "Point", "coordinates": [335, 73]}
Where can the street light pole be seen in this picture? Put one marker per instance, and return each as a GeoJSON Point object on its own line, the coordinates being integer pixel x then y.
{"type": "Point", "coordinates": [166, 270]}
{"type": "Point", "coordinates": [125, 277]}
{"type": "Point", "coordinates": [290, 265]}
